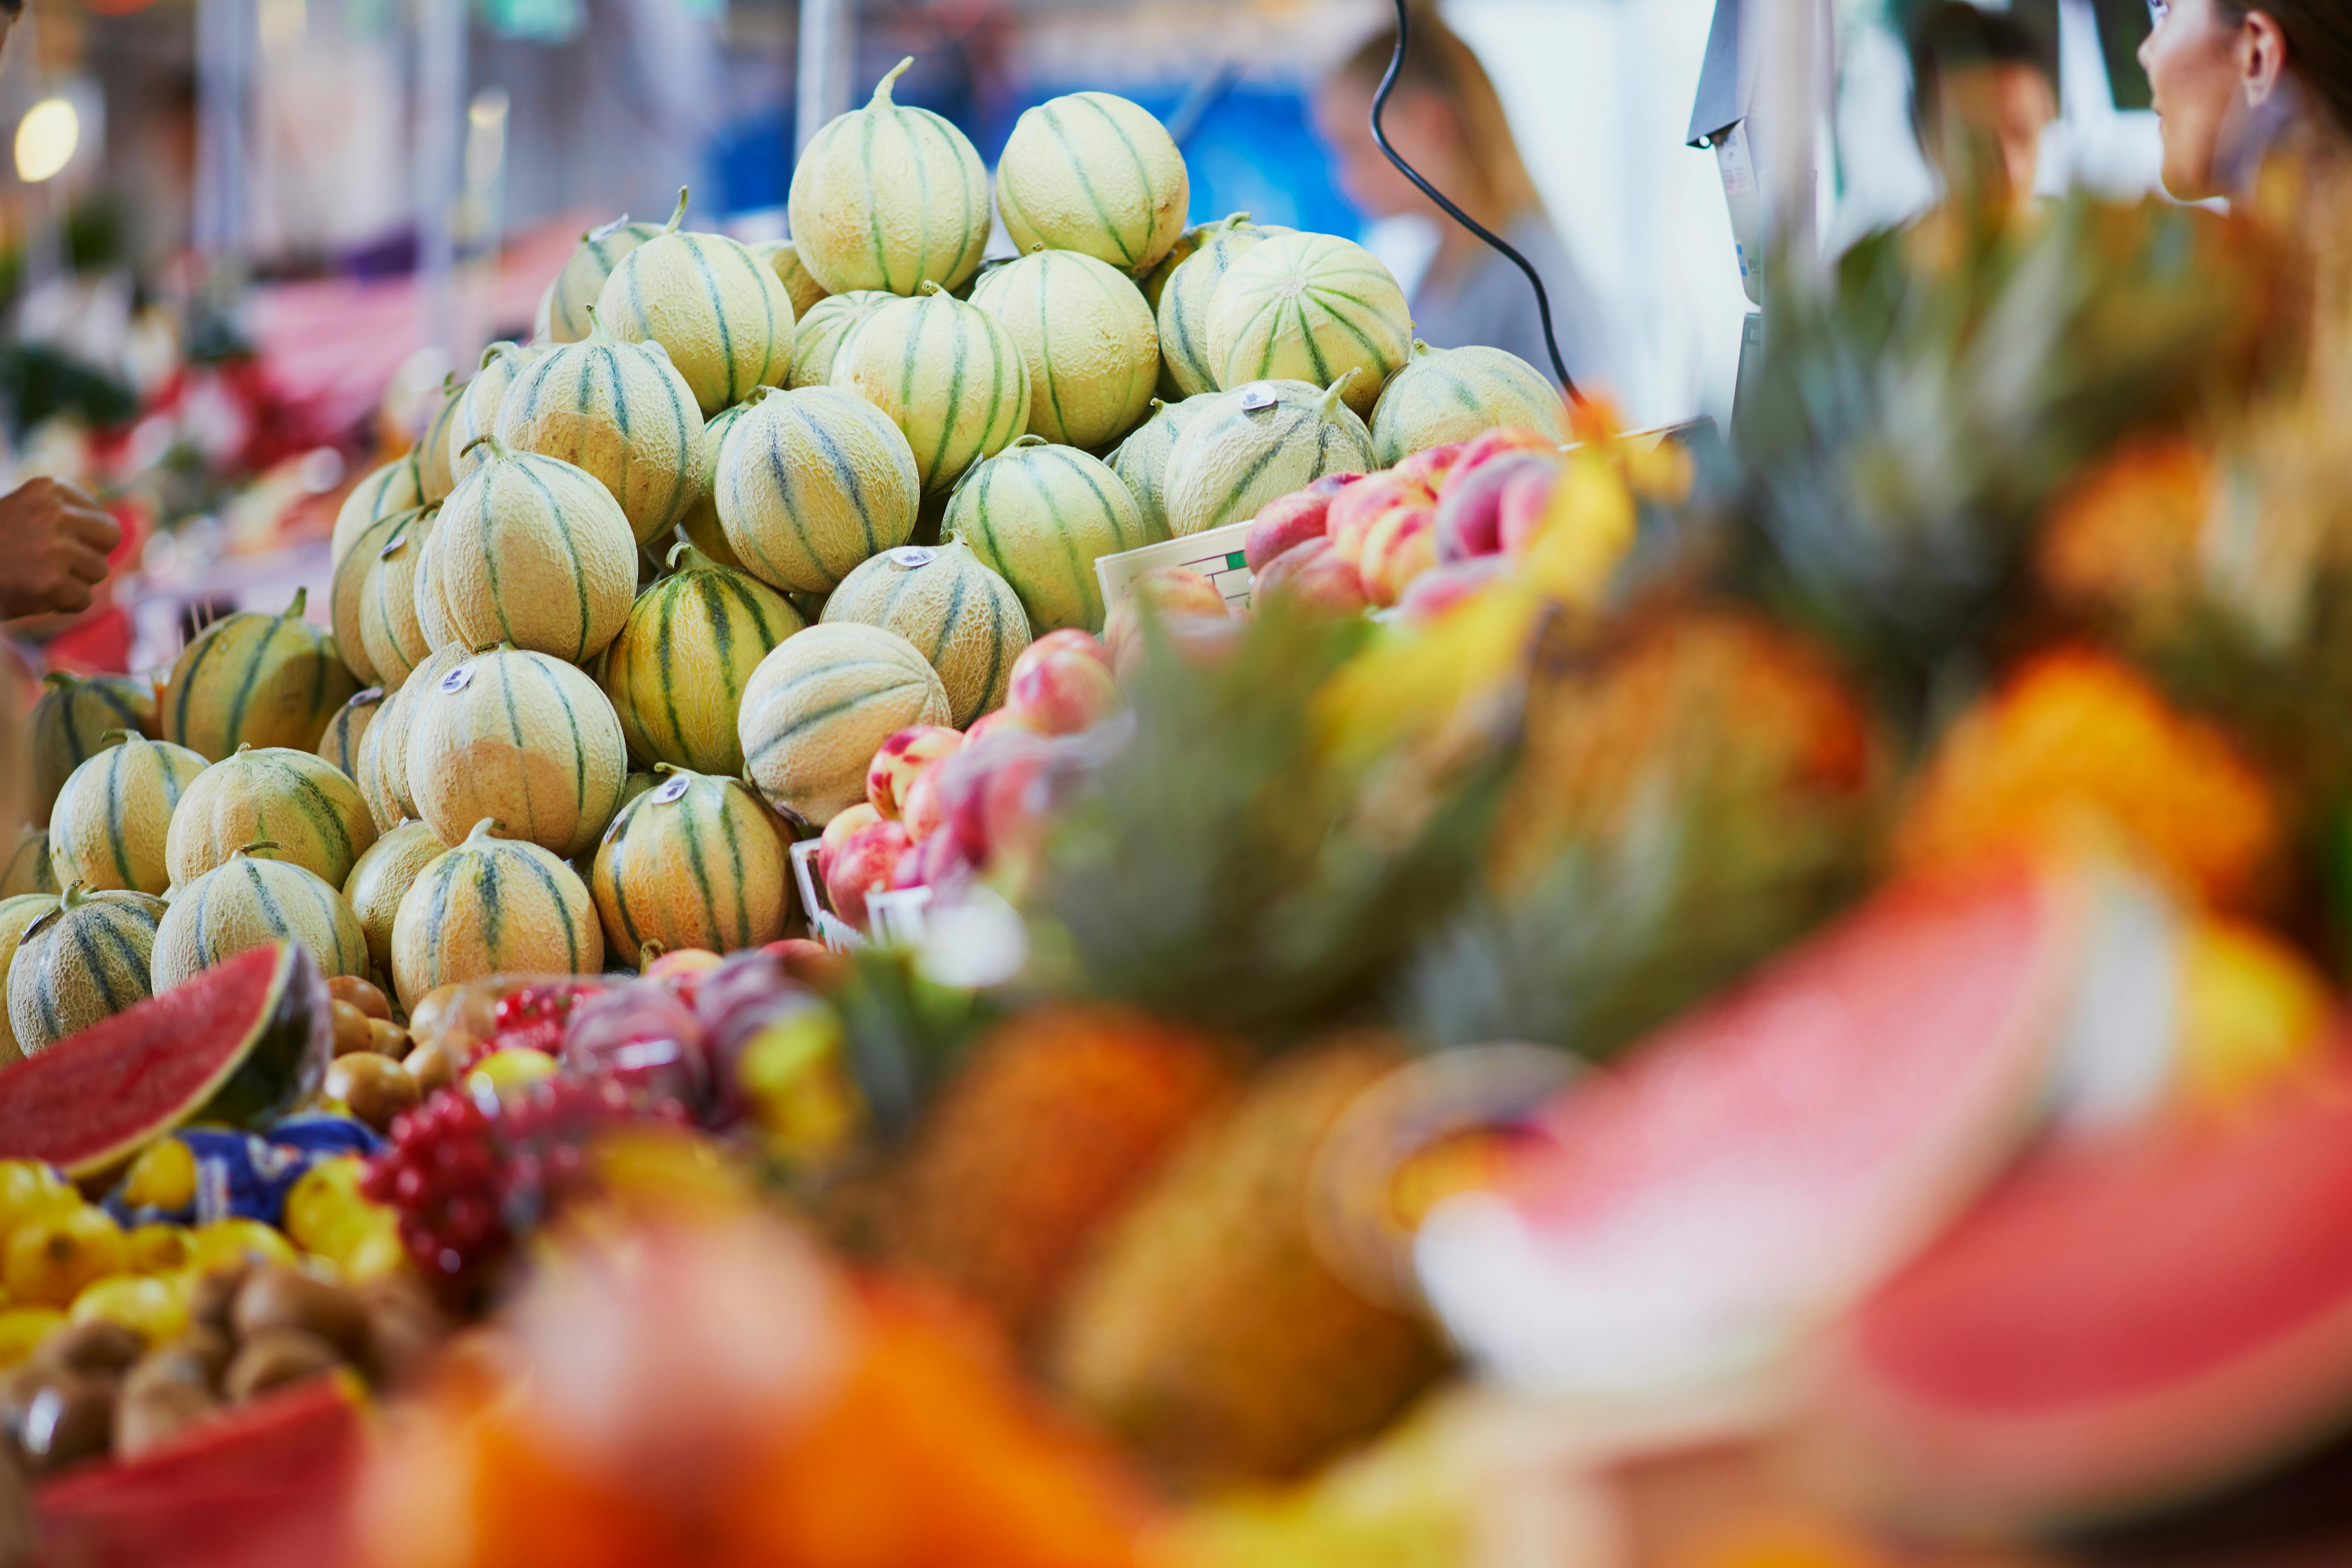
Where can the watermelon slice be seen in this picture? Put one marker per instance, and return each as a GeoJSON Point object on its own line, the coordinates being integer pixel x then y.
{"type": "Point", "coordinates": [2122, 1323]}
{"type": "Point", "coordinates": [1755, 1168]}
{"type": "Point", "coordinates": [242, 1043]}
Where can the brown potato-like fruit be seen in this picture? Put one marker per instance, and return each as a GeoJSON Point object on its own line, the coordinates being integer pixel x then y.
{"type": "Point", "coordinates": [277, 1297]}
{"type": "Point", "coordinates": [404, 1326]}
{"type": "Point", "coordinates": [352, 1031]}
{"type": "Point", "coordinates": [199, 1356]}
{"type": "Point", "coordinates": [67, 1417]}
{"type": "Point", "coordinates": [361, 995]}
{"type": "Point", "coordinates": [389, 1040]}
{"type": "Point", "coordinates": [210, 1299]}
{"type": "Point", "coordinates": [92, 1345]}
{"type": "Point", "coordinates": [273, 1357]}
{"type": "Point", "coordinates": [150, 1415]}
{"type": "Point", "coordinates": [432, 1067]}
{"type": "Point", "coordinates": [377, 1088]}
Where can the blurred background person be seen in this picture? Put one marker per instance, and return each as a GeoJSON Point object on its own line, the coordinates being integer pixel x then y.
{"type": "Point", "coordinates": [1984, 93]}
{"type": "Point", "coordinates": [1445, 119]}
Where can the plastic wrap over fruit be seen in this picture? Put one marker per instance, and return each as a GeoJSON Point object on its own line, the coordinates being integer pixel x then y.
{"type": "Point", "coordinates": [640, 1035]}
{"type": "Point", "coordinates": [500, 1012]}
{"type": "Point", "coordinates": [747, 995]}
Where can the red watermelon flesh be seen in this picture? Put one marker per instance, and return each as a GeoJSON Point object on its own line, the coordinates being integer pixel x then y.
{"type": "Point", "coordinates": [241, 1042]}
{"type": "Point", "coordinates": [2118, 1324]}
{"type": "Point", "coordinates": [1758, 1165]}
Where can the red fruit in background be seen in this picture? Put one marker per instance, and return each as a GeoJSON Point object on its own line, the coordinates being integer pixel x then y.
{"type": "Point", "coordinates": [862, 865]}
{"type": "Point", "coordinates": [1430, 469]}
{"type": "Point", "coordinates": [967, 781]}
{"type": "Point", "coordinates": [1071, 640]}
{"type": "Point", "coordinates": [1526, 495]}
{"type": "Point", "coordinates": [1170, 592]}
{"type": "Point", "coordinates": [1353, 511]}
{"type": "Point", "coordinates": [1059, 691]}
{"type": "Point", "coordinates": [683, 971]}
{"type": "Point", "coordinates": [1470, 513]}
{"type": "Point", "coordinates": [937, 862]}
{"type": "Point", "coordinates": [1482, 449]}
{"type": "Point", "coordinates": [1399, 546]}
{"type": "Point", "coordinates": [921, 812]}
{"type": "Point", "coordinates": [1198, 640]}
{"type": "Point", "coordinates": [1313, 578]}
{"type": "Point", "coordinates": [1284, 525]}
{"type": "Point", "coordinates": [1441, 588]}
{"type": "Point", "coordinates": [1332, 484]}
{"type": "Point", "coordinates": [1003, 721]}
{"type": "Point", "coordinates": [901, 758]}
{"type": "Point", "coordinates": [811, 962]}
{"type": "Point", "coordinates": [836, 833]}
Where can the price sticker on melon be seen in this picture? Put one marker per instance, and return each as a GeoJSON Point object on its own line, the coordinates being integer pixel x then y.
{"type": "Point", "coordinates": [458, 678]}
{"type": "Point", "coordinates": [1259, 394]}
{"type": "Point", "coordinates": [674, 789]}
{"type": "Point", "coordinates": [912, 555]}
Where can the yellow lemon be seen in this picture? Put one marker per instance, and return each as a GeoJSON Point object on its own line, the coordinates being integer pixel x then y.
{"type": "Point", "coordinates": [321, 1197]}
{"type": "Point", "coordinates": [376, 1254]}
{"type": "Point", "coordinates": [159, 1248]}
{"type": "Point", "coordinates": [22, 1329]}
{"type": "Point", "coordinates": [50, 1258]}
{"type": "Point", "coordinates": [2252, 1009]}
{"type": "Point", "coordinates": [229, 1241]}
{"type": "Point", "coordinates": [164, 1177]}
{"type": "Point", "coordinates": [506, 1073]}
{"type": "Point", "coordinates": [141, 1302]}
{"type": "Point", "coordinates": [28, 1190]}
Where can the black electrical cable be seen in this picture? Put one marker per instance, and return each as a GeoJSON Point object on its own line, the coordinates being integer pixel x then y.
{"type": "Point", "coordinates": [1543, 299]}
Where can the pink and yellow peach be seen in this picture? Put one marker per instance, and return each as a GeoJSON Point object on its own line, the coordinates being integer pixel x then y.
{"type": "Point", "coordinates": [1311, 579]}
{"type": "Point", "coordinates": [1399, 546]}
{"type": "Point", "coordinates": [836, 833]}
{"type": "Point", "coordinates": [864, 863]}
{"type": "Point", "coordinates": [1059, 690]}
{"type": "Point", "coordinates": [901, 758]}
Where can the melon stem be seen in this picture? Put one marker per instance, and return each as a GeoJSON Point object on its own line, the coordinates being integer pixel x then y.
{"type": "Point", "coordinates": [677, 214]}
{"type": "Point", "coordinates": [882, 89]}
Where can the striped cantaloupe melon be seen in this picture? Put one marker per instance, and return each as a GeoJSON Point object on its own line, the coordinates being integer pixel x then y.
{"type": "Point", "coordinates": [15, 763]}
{"type": "Point", "coordinates": [1039, 516]}
{"type": "Point", "coordinates": [477, 411]}
{"type": "Point", "coordinates": [347, 730]}
{"type": "Point", "coordinates": [436, 470]}
{"type": "Point", "coordinates": [519, 736]}
{"type": "Point", "coordinates": [298, 801]}
{"type": "Point", "coordinates": [799, 282]}
{"type": "Point", "coordinates": [395, 487]}
{"type": "Point", "coordinates": [961, 616]}
{"type": "Point", "coordinates": [532, 551]}
{"type": "Point", "coordinates": [1182, 308]}
{"type": "Point", "coordinates": [71, 720]}
{"type": "Point", "coordinates": [383, 751]}
{"type": "Point", "coordinates": [828, 324]}
{"type": "Point", "coordinates": [427, 603]}
{"type": "Point", "coordinates": [722, 313]}
{"type": "Point", "coordinates": [1091, 172]}
{"type": "Point", "coordinates": [1312, 308]}
{"type": "Point", "coordinates": [564, 309]}
{"type": "Point", "coordinates": [819, 706]}
{"type": "Point", "coordinates": [347, 590]}
{"type": "Point", "coordinates": [812, 482]}
{"type": "Point", "coordinates": [250, 900]}
{"type": "Point", "coordinates": [16, 914]}
{"type": "Point", "coordinates": [382, 877]}
{"type": "Point", "coordinates": [1086, 335]}
{"type": "Point", "coordinates": [888, 197]}
{"type": "Point", "coordinates": [700, 524]}
{"type": "Point", "coordinates": [948, 376]}
{"type": "Point", "coordinates": [112, 819]}
{"type": "Point", "coordinates": [1248, 445]}
{"type": "Point", "coordinates": [255, 679]}
{"type": "Point", "coordinates": [1141, 460]}
{"type": "Point", "coordinates": [86, 960]}
{"type": "Point", "coordinates": [1154, 283]}
{"type": "Point", "coordinates": [1452, 395]}
{"type": "Point", "coordinates": [492, 906]}
{"type": "Point", "coordinates": [693, 862]}
{"type": "Point", "coordinates": [677, 672]}
{"type": "Point", "coordinates": [26, 869]}
{"type": "Point", "coordinates": [619, 410]}
{"type": "Point", "coordinates": [389, 629]}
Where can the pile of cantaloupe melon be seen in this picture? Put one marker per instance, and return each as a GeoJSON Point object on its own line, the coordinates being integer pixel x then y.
{"type": "Point", "coordinates": [639, 605]}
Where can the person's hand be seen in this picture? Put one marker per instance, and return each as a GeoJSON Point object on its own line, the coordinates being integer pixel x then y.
{"type": "Point", "coordinates": [53, 546]}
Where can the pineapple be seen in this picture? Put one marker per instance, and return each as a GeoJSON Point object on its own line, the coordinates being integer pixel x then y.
{"type": "Point", "coordinates": [1207, 1331]}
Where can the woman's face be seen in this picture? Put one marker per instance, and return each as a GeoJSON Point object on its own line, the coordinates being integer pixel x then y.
{"type": "Point", "coordinates": [2196, 62]}
{"type": "Point", "coordinates": [1418, 126]}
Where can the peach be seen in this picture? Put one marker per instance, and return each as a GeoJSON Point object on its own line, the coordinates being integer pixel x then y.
{"type": "Point", "coordinates": [1169, 591]}
{"type": "Point", "coordinates": [683, 968]}
{"type": "Point", "coordinates": [933, 863]}
{"type": "Point", "coordinates": [1059, 691]}
{"type": "Point", "coordinates": [901, 758]}
{"type": "Point", "coordinates": [838, 830]}
{"type": "Point", "coordinates": [812, 963]}
{"type": "Point", "coordinates": [1527, 497]}
{"type": "Point", "coordinates": [1484, 447]}
{"type": "Point", "coordinates": [1353, 510]}
{"type": "Point", "coordinates": [1332, 484]}
{"type": "Point", "coordinates": [1441, 588]}
{"type": "Point", "coordinates": [1470, 516]}
{"type": "Point", "coordinates": [1284, 524]}
{"type": "Point", "coordinates": [1400, 546]}
{"type": "Point", "coordinates": [1198, 640]}
{"type": "Point", "coordinates": [1001, 720]}
{"type": "Point", "coordinates": [919, 809]}
{"type": "Point", "coordinates": [1313, 580]}
{"type": "Point", "coordinates": [1429, 468]}
{"type": "Point", "coordinates": [863, 864]}
{"type": "Point", "coordinates": [1076, 641]}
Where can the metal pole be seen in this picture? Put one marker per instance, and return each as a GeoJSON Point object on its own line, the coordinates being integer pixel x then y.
{"type": "Point", "coordinates": [440, 135]}
{"type": "Point", "coordinates": [829, 53]}
{"type": "Point", "coordinates": [224, 52]}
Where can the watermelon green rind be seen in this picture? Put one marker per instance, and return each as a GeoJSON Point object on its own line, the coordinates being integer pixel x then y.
{"type": "Point", "coordinates": [241, 1044]}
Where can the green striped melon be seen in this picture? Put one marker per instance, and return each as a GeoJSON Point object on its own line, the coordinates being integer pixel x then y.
{"type": "Point", "coordinates": [621, 411]}
{"type": "Point", "coordinates": [820, 706]}
{"type": "Point", "coordinates": [1086, 335]}
{"type": "Point", "coordinates": [1248, 445]}
{"type": "Point", "coordinates": [1312, 308]}
{"type": "Point", "coordinates": [520, 737]}
{"type": "Point", "coordinates": [492, 906]}
{"type": "Point", "coordinates": [71, 720]}
{"type": "Point", "coordinates": [722, 313]}
{"type": "Point", "coordinates": [16, 914]}
{"type": "Point", "coordinates": [888, 197]}
{"type": "Point", "coordinates": [693, 862]}
{"type": "Point", "coordinates": [1154, 283]}
{"type": "Point", "coordinates": [477, 411]}
{"type": "Point", "coordinates": [347, 592]}
{"type": "Point", "coordinates": [700, 524]}
{"type": "Point", "coordinates": [297, 801]}
{"type": "Point", "coordinates": [1453, 395]}
{"type": "Point", "coordinates": [677, 672]}
{"type": "Point", "coordinates": [565, 309]}
{"type": "Point", "coordinates": [961, 616]}
{"type": "Point", "coordinates": [389, 629]}
{"type": "Point", "coordinates": [86, 960]}
{"type": "Point", "coordinates": [436, 470]}
{"type": "Point", "coordinates": [1141, 460]}
{"type": "Point", "coordinates": [251, 901]}
{"type": "Point", "coordinates": [384, 779]}
{"type": "Point", "coordinates": [948, 376]}
{"type": "Point", "coordinates": [817, 340]}
{"type": "Point", "coordinates": [382, 877]}
{"type": "Point", "coordinates": [255, 679]}
{"type": "Point", "coordinates": [1039, 516]}
{"type": "Point", "coordinates": [347, 730]}
{"type": "Point", "coordinates": [532, 551]}
{"type": "Point", "coordinates": [26, 869]}
{"type": "Point", "coordinates": [112, 817]}
{"type": "Point", "coordinates": [1182, 308]}
{"type": "Point", "coordinates": [395, 487]}
{"type": "Point", "coordinates": [427, 603]}
{"type": "Point", "coordinates": [810, 483]}
{"type": "Point", "coordinates": [1093, 173]}
{"type": "Point", "coordinates": [798, 281]}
